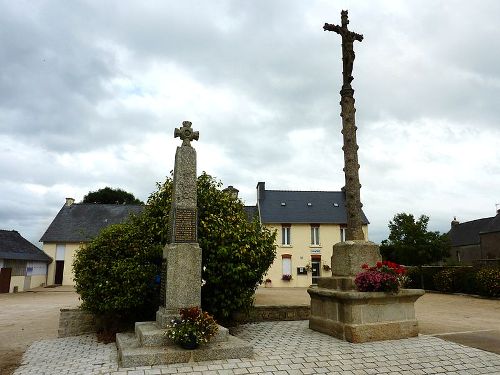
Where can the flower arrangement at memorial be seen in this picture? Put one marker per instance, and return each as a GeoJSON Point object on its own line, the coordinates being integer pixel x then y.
{"type": "Point", "coordinates": [385, 276]}
{"type": "Point", "coordinates": [192, 328]}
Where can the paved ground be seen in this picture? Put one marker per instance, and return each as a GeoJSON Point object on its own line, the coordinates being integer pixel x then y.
{"type": "Point", "coordinates": [437, 314]}
{"type": "Point", "coordinates": [463, 319]}
{"type": "Point", "coordinates": [280, 348]}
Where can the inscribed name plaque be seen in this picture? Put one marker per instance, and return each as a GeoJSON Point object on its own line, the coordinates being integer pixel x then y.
{"type": "Point", "coordinates": [185, 225]}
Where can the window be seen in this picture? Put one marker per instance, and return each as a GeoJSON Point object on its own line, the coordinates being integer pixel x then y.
{"type": "Point", "coordinates": [314, 234]}
{"type": "Point", "coordinates": [285, 234]}
{"type": "Point", "coordinates": [286, 264]}
{"type": "Point", "coordinates": [342, 234]}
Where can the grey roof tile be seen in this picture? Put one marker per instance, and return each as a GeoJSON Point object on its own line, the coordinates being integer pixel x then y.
{"type": "Point", "coordinates": [319, 207]}
{"type": "Point", "coordinates": [81, 222]}
{"type": "Point", "coordinates": [467, 233]}
{"type": "Point", "coordinates": [15, 246]}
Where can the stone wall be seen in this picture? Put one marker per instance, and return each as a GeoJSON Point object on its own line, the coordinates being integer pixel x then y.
{"type": "Point", "coordinates": [277, 312]}
{"type": "Point", "coordinates": [74, 322]}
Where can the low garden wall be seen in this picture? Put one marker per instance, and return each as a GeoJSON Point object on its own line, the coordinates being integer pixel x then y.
{"type": "Point", "coordinates": [74, 322]}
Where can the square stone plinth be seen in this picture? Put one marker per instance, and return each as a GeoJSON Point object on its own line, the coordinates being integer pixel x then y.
{"type": "Point", "coordinates": [364, 316]}
{"type": "Point", "coordinates": [348, 256]}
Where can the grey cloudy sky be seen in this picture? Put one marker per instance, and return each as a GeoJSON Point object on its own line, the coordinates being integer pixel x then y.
{"type": "Point", "coordinates": [91, 91]}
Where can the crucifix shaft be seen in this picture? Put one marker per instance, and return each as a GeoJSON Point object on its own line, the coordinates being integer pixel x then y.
{"type": "Point", "coordinates": [352, 188]}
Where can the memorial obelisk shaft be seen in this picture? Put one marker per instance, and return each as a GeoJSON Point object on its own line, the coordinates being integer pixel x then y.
{"type": "Point", "coordinates": [182, 254]}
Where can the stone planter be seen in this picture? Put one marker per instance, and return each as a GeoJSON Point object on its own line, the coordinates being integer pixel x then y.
{"type": "Point", "coordinates": [364, 316]}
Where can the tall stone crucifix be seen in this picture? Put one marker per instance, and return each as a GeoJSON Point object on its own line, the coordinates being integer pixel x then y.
{"type": "Point", "coordinates": [351, 167]}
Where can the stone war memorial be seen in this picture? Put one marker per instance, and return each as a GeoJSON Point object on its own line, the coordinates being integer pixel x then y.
{"type": "Point", "coordinates": [337, 308]}
{"type": "Point", "coordinates": [149, 345]}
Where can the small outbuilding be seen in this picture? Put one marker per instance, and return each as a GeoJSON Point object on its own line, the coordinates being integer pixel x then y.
{"type": "Point", "coordinates": [22, 265]}
{"type": "Point", "coordinates": [75, 225]}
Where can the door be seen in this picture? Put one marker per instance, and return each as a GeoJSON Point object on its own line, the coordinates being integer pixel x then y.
{"type": "Point", "coordinates": [5, 279]}
{"type": "Point", "coordinates": [59, 272]}
{"type": "Point", "coordinates": [315, 266]}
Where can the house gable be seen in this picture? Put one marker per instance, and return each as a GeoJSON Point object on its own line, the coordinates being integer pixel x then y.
{"type": "Point", "coordinates": [81, 222]}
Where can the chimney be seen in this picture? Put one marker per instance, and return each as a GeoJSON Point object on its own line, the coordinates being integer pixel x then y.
{"type": "Point", "coordinates": [261, 190]}
{"type": "Point", "coordinates": [70, 201]}
{"type": "Point", "coordinates": [455, 222]}
{"type": "Point", "coordinates": [231, 191]}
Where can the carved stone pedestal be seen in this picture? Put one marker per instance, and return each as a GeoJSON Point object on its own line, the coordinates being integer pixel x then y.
{"type": "Point", "coordinates": [338, 310]}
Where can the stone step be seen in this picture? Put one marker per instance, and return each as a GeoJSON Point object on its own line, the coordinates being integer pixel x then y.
{"type": "Point", "coordinates": [132, 354]}
{"type": "Point", "coordinates": [148, 334]}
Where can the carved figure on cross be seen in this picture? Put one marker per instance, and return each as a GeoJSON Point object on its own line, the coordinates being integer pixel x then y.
{"type": "Point", "coordinates": [186, 133]}
{"type": "Point", "coordinates": [348, 38]}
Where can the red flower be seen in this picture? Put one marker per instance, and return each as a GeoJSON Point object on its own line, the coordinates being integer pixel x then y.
{"type": "Point", "coordinates": [365, 266]}
{"type": "Point", "coordinates": [379, 264]}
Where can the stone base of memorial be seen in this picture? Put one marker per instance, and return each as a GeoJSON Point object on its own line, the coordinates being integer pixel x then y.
{"type": "Point", "coordinates": [149, 346]}
{"type": "Point", "coordinates": [342, 312]}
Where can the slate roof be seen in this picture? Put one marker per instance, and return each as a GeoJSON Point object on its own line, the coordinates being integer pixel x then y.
{"type": "Point", "coordinates": [468, 233]}
{"type": "Point", "coordinates": [81, 222]}
{"type": "Point", "coordinates": [325, 207]}
{"type": "Point", "coordinates": [494, 225]}
{"type": "Point", "coordinates": [15, 246]}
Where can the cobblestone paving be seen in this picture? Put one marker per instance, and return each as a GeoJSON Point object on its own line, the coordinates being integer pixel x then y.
{"type": "Point", "coordinates": [280, 348]}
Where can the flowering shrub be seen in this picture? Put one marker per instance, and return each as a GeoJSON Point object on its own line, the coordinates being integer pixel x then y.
{"type": "Point", "coordinates": [286, 277]}
{"type": "Point", "coordinates": [383, 277]}
{"type": "Point", "coordinates": [444, 280]}
{"type": "Point", "coordinates": [488, 280]}
{"type": "Point", "coordinates": [193, 328]}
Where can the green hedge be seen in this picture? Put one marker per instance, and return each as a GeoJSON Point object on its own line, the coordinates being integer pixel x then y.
{"type": "Point", "coordinates": [484, 281]}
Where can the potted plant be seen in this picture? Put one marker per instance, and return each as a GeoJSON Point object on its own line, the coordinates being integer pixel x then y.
{"type": "Point", "coordinates": [192, 328]}
{"type": "Point", "coordinates": [326, 267]}
{"type": "Point", "coordinates": [286, 277]}
{"type": "Point", "coordinates": [383, 277]}
{"type": "Point", "coordinates": [267, 282]}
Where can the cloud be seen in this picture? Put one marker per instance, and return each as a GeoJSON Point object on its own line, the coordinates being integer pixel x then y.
{"type": "Point", "coordinates": [90, 93]}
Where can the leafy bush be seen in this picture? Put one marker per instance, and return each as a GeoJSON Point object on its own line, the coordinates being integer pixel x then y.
{"type": "Point", "coordinates": [488, 282]}
{"type": "Point", "coordinates": [443, 280]}
{"type": "Point", "coordinates": [464, 280]}
{"type": "Point", "coordinates": [114, 273]}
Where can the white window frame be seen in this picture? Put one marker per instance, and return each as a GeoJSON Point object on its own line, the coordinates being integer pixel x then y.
{"type": "Point", "coordinates": [315, 235]}
{"type": "Point", "coordinates": [286, 235]}
{"type": "Point", "coordinates": [286, 265]}
{"type": "Point", "coordinates": [343, 232]}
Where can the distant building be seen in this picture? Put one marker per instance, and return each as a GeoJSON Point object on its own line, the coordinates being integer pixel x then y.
{"type": "Point", "coordinates": [475, 240]}
{"type": "Point", "coordinates": [74, 225]}
{"type": "Point", "coordinates": [22, 265]}
{"type": "Point", "coordinates": [308, 224]}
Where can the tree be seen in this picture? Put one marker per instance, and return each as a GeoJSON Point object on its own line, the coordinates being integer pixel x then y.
{"type": "Point", "coordinates": [236, 254]}
{"type": "Point", "coordinates": [410, 243]}
{"type": "Point", "coordinates": [109, 195]}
